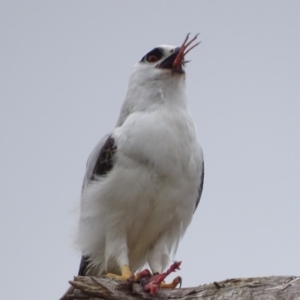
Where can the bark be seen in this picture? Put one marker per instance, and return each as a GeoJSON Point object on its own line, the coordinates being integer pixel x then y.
{"type": "Point", "coordinates": [260, 288]}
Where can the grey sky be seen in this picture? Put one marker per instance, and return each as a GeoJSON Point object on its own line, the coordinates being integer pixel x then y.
{"type": "Point", "coordinates": [64, 68]}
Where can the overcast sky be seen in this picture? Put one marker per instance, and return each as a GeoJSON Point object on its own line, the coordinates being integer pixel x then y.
{"type": "Point", "coordinates": [64, 68]}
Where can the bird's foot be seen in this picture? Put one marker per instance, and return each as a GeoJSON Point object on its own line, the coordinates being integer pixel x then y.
{"type": "Point", "coordinates": [172, 285]}
{"type": "Point", "coordinates": [126, 274]}
{"type": "Point", "coordinates": [151, 283]}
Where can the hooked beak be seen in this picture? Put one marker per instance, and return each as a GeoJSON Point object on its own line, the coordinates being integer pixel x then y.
{"type": "Point", "coordinates": [168, 63]}
{"type": "Point", "coordinates": [176, 60]}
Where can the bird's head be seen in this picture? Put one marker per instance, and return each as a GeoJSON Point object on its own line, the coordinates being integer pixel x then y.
{"type": "Point", "coordinates": [157, 79]}
{"type": "Point", "coordinates": [164, 61]}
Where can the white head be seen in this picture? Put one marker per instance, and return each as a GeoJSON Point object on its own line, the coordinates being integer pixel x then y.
{"type": "Point", "coordinates": [159, 77]}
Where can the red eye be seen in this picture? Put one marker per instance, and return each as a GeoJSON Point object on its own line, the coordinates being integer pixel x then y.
{"type": "Point", "coordinates": [152, 58]}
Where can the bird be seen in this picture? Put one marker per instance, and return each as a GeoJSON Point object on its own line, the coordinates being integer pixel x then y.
{"type": "Point", "coordinates": [144, 179]}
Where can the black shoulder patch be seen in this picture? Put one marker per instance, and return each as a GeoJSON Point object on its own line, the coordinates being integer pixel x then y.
{"type": "Point", "coordinates": [105, 160]}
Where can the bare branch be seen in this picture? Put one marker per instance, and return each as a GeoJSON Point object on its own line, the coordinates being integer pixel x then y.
{"type": "Point", "coordinates": [263, 288]}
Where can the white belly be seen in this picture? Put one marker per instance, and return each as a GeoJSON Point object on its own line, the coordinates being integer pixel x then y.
{"type": "Point", "coordinates": [139, 205]}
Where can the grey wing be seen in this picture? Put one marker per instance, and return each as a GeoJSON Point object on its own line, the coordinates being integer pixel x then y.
{"type": "Point", "coordinates": [200, 188]}
{"type": "Point", "coordinates": [99, 163]}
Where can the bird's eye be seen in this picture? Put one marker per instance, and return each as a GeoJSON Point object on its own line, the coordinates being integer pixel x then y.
{"type": "Point", "coordinates": [152, 58]}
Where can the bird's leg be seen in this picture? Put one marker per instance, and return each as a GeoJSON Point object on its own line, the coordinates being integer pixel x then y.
{"type": "Point", "coordinates": [116, 246]}
{"type": "Point", "coordinates": [126, 274]}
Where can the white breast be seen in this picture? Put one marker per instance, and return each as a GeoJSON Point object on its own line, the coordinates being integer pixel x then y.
{"type": "Point", "coordinates": [166, 140]}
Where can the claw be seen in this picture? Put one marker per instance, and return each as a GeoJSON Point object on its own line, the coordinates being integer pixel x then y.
{"type": "Point", "coordinates": [150, 282]}
{"type": "Point", "coordinates": [173, 284]}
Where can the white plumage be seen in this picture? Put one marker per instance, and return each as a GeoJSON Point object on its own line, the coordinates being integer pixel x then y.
{"type": "Point", "coordinates": [137, 212]}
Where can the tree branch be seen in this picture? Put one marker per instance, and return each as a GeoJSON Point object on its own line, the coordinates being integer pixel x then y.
{"type": "Point", "coordinates": [262, 288]}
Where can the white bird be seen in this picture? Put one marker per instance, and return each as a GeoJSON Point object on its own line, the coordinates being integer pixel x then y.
{"type": "Point", "coordinates": [145, 178]}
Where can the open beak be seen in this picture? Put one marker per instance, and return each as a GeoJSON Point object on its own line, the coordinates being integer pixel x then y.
{"type": "Point", "coordinates": [176, 60]}
{"type": "Point", "coordinates": [169, 61]}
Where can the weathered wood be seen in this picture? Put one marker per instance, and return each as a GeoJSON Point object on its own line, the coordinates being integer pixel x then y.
{"type": "Point", "coordinates": [260, 288]}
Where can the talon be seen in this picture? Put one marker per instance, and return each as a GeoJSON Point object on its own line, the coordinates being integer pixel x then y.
{"type": "Point", "coordinates": [126, 274]}
{"type": "Point", "coordinates": [173, 284]}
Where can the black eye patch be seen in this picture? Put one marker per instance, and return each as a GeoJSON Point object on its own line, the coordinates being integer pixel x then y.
{"type": "Point", "coordinates": [153, 56]}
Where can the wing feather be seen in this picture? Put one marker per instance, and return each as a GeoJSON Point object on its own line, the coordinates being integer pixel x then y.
{"type": "Point", "coordinates": [100, 163]}
{"type": "Point", "coordinates": [200, 188]}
